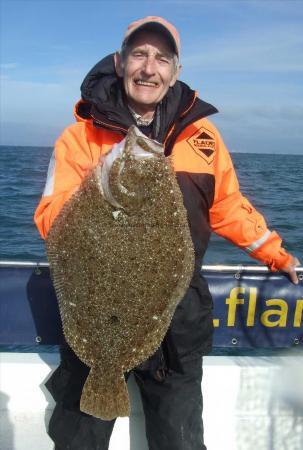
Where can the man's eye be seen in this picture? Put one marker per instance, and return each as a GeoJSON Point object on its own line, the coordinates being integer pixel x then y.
{"type": "Point", "coordinates": [164, 60]}
{"type": "Point", "coordinates": [138, 55]}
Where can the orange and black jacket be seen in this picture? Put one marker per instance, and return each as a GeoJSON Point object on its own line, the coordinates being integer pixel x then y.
{"type": "Point", "coordinates": [206, 177]}
{"type": "Point", "coordinates": [201, 161]}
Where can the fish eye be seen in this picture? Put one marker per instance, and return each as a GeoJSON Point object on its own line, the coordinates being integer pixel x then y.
{"type": "Point", "coordinates": [114, 319]}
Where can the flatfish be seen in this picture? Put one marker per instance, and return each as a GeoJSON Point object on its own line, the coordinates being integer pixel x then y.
{"type": "Point", "coordinates": [121, 258]}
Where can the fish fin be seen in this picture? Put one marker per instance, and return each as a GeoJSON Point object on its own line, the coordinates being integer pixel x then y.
{"type": "Point", "coordinates": [105, 395]}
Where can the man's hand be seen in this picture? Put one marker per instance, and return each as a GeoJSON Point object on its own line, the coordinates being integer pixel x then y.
{"type": "Point", "coordinates": [291, 270]}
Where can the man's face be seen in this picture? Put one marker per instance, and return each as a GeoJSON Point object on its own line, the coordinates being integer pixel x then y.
{"type": "Point", "coordinates": [148, 71]}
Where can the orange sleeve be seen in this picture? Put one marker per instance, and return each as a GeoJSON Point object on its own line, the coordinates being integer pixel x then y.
{"type": "Point", "coordinates": [233, 217]}
{"type": "Point", "coordinates": [70, 162]}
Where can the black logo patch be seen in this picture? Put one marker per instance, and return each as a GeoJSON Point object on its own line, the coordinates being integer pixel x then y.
{"type": "Point", "coordinates": [203, 143]}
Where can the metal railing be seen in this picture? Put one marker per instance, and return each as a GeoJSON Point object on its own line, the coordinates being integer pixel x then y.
{"type": "Point", "coordinates": [212, 268]}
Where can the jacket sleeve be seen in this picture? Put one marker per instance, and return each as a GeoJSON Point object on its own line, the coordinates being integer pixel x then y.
{"type": "Point", "coordinates": [233, 217]}
{"type": "Point", "coordinates": [69, 164]}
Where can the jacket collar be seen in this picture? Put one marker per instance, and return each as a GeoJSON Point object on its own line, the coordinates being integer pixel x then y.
{"type": "Point", "coordinates": [104, 102]}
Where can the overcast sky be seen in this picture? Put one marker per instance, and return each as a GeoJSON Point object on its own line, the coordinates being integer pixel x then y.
{"type": "Point", "coordinates": [245, 57]}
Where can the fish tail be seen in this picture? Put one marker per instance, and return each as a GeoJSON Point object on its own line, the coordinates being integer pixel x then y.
{"type": "Point", "coordinates": [105, 395]}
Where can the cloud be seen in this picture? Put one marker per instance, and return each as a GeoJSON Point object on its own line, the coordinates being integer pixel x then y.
{"type": "Point", "coordinates": [264, 112]}
{"type": "Point", "coordinates": [38, 102]}
{"type": "Point", "coordinates": [275, 48]}
{"type": "Point", "coordinates": [247, 134]}
{"type": "Point", "coordinates": [8, 66]}
{"type": "Point", "coordinates": [50, 73]}
{"type": "Point", "coordinates": [60, 47]}
{"type": "Point", "coordinates": [29, 134]}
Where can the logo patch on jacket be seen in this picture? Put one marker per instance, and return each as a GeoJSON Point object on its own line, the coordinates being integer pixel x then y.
{"type": "Point", "coordinates": [203, 143]}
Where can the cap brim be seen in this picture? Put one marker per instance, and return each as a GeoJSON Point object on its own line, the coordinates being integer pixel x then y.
{"type": "Point", "coordinates": [152, 26]}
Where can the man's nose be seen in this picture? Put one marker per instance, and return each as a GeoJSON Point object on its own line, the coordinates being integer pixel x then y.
{"type": "Point", "coordinates": [149, 66]}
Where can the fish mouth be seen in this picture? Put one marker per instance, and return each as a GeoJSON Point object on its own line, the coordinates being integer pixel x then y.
{"type": "Point", "coordinates": [146, 83]}
{"type": "Point", "coordinates": [150, 147]}
{"type": "Point", "coordinates": [135, 146]}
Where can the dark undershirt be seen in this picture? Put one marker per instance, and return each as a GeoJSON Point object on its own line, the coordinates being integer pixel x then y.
{"type": "Point", "coordinates": [146, 129]}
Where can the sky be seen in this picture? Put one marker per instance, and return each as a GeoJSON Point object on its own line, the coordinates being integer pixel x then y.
{"type": "Point", "coordinates": [245, 57]}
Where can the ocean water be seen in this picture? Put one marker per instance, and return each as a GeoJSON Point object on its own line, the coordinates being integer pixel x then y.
{"type": "Point", "coordinates": [273, 183]}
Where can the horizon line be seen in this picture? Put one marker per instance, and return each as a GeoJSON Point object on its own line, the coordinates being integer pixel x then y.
{"type": "Point", "coordinates": [230, 151]}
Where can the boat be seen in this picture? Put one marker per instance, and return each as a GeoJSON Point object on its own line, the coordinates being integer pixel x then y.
{"type": "Point", "coordinates": [252, 382]}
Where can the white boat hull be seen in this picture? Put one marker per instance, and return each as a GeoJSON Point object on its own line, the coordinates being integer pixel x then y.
{"type": "Point", "coordinates": [249, 402]}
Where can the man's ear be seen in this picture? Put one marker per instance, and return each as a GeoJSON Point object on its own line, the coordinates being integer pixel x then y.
{"type": "Point", "coordinates": [118, 64]}
{"type": "Point", "coordinates": [175, 76]}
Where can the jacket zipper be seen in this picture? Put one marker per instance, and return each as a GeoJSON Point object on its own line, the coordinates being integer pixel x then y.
{"type": "Point", "coordinates": [190, 106]}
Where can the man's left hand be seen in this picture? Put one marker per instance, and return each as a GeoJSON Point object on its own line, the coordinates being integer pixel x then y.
{"type": "Point", "coordinates": [291, 270]}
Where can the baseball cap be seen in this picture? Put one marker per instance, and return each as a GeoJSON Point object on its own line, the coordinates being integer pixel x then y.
{"type": "Point", "coordinates": [155, 23]}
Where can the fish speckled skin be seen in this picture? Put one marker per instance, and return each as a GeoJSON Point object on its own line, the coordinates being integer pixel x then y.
{"type": "Point", "coordinates": [121, 259]}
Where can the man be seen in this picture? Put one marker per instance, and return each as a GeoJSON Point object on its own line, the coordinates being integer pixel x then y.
{"type": "Point", "coordinates": [139, 85]}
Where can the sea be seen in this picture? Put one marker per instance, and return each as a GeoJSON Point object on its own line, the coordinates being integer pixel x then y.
{"type": "Point", "coordinates": [272, 182]}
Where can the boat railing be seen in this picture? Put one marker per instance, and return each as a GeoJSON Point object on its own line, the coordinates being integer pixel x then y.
{"type": "Point", "coordinates": [252, 307]}
{"type": "Point", "coordinates": [206, 267]}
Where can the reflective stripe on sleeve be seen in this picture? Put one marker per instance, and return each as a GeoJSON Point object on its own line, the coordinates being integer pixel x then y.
{"type": "Point", "coordinates": [258, 243]}
{"type": "Point", "coordinates": [49, 185]}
